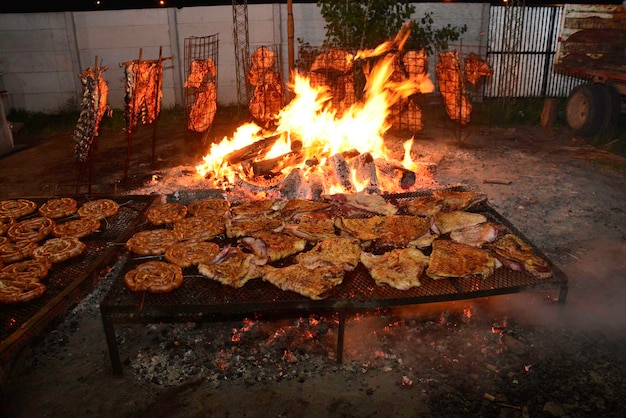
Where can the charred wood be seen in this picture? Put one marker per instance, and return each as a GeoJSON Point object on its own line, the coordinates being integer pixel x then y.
{"type": "Point", "coordinates": [254, 188]}
{"type": "Point", "coordinates": [394, 170]}
{"type": "Point", "coordinates": [274, 166]}
{"type": "Point", "coordinates": [255, 150]}
{"type": "Point", "coordinates": [365, 171]}
{"type": "Point", "coordinates": [352, 153]}
{"type": "Point", "coordinates": [315, 184]}
{"type": "Point", "coordinates": [339, 169]}
{"type": "Point", "coordinates": [294, 185]}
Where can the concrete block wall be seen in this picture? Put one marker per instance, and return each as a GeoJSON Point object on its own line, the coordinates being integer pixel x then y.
{"type": "Point", "coordinates": [41, 54]}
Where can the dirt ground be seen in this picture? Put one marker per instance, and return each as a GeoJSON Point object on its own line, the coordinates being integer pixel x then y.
{"type": "Point", "coordinates": [517, 355]}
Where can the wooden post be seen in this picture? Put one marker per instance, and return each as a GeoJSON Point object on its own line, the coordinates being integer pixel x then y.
{"type": "Point", "coordinates": [90, 154]}
{"type": "Point", "coordinates": [132, 116]}
{"type": "Point", "coordinates": [156, 108]}
{"type": "Point", "coordinates": [549, 112]}
{"type": "Point", "coordinates": [290, 45]}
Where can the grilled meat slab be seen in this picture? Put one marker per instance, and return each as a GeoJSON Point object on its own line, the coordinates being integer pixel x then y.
{"type": "Point", "coordinates": [400, 268]}
{"type": "Point", "coordinates": [450, 221]}
{"type": "Point", "coordinates": [451, 259]}
{"type": "Point", "coordinates": [311, 282]}
{"type": "Point", "coordinates": [513, 250]}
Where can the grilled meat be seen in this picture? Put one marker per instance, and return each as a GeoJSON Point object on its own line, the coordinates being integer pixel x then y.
{"type": "Point", "coordinates": [451, 259]}
{"type": "Point", "coordinates": [450, 221]}
{"type": "Point", "coordinates": [400, 268]}
{"type": "Point", "coordinates": [516, 254]}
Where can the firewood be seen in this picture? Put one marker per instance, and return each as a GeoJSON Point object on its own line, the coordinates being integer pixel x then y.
{"type": "Point", "coordinates": [504, 182]}
{"type": "Point", "coordinates": [254, 150]}
{"type": "Point", "coordinates": [340, 170]}
{"type": "Point", "coordinates": [254, 188]}
{"type": "Point", "coordinates": [396, 171]}
{"type": "Point", "coordinates": [352, 153]}
{"type": "Point", "coordinates": [273, 166]}
{"type": "Point", "coordinates": [294, 185]}
{"type": "Point", "coordinates": [315, 184]}
{"type": "Point", "coordinates": [365, 170]}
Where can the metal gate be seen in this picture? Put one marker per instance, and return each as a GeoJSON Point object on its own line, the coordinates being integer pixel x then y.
{"type": "Point", "coordinates": [521, 48]}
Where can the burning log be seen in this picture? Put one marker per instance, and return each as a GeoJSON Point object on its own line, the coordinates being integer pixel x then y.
{"type": "Point", "coordinates": [294, 185]}
{"type": "Point", "coordinates": [365, 171]}
{"type": "Point", "coordinates": [254, 188]}
{"type": "Point", "coordinates": [254, 150]}
{"type": "Point", "coordinates": [273, 166]}
{"type": "Point", "coordinates": [340, 170]}
{"type": "Point", "coordinates": [395, 171]}
{"type": "Point", "coordinates": [316, 184]}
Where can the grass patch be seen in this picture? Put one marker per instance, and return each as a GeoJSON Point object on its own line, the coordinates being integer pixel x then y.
{"type": "Point", "coordinates": [509, 112]}
{"type": "Point", "coordinates": [36, 123]}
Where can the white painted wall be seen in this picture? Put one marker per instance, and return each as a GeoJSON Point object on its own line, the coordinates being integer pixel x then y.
{"type": "Point", "coordinates": [41, 54]}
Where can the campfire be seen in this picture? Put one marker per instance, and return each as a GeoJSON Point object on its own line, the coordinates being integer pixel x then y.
{"type": "Point", "coordinates": [313, 149]}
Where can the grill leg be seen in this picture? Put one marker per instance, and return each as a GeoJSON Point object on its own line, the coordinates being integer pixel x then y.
{"type": "Point", "coordinates": [562, 296]}
{"type": "Point", "coordinates": [114, 354]}
{"type": "Point", "coordinates": [340, 332]}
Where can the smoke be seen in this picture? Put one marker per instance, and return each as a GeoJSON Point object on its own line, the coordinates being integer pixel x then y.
{"type": "Point", "coordinates": [595, 300]}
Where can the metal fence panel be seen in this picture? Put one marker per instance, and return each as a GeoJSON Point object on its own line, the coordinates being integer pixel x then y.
{"type": "Point", "coordinates": [521, 49]}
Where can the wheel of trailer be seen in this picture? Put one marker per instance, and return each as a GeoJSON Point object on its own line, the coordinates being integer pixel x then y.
{"type": "Point", "coordinates": [584, 109]}
{"type": "Point", "coordinates": [611, 110]}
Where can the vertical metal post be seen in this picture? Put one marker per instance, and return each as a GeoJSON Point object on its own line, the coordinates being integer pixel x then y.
{"type": "Point", "coordinates": [157, 105]}
{"type": "Point", "coordinates": [242, 50]}
{"type": "Point", "coordinates": [549, 53]}
{"type": "Point", "coordinates": [340, 335]}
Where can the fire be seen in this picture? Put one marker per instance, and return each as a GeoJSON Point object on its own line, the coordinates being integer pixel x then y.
{"type": "Point", "coordinates": [320, 131]}
{"type": "Point", "coordinates": [214, 161]}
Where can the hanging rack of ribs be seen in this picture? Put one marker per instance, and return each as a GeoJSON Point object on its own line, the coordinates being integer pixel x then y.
{"type": "Point", "coordinates": [144, 79]}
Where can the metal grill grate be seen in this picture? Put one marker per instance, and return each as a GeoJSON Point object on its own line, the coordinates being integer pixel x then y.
{"type": "Point", "coordinates": [20, 322]}
{"type": "Point", "coordinates": [200, 297]}
{"type": "Point", "coordinates": [358, 290]}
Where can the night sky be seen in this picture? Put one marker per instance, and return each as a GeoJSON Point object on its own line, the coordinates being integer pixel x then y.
{"type": "Point", "coordinates": [21, 6]}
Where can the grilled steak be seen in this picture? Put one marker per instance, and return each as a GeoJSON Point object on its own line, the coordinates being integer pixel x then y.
{"type": "Point", "coordinates": [339, 251]}
{"type": "Point", "coordinates": [400, 268]}
{"type": "Point", "coordinates": [451, 259]}
{"type": "Point", "coordinates": [235, 269]}
{"type": "Point", "coordinates": [516, 253]}
{"type": "Point", "coordinates": [273, 245]}
{"type": "Point", "coordinates": [311, 282]}
{"type": "Point", "coordinates": [450, 221]}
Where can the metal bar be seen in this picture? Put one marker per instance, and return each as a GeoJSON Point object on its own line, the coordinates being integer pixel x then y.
{"type": "Point", "coordinates": [548, 54]}
{"type": "Point", "coordinates": [157, 106]}
{"type": "Point", "coordinates": [340, 335]}
{"type": "Point", "coordinates": [563, 295]}
{"type": "Point", "coordinates": [114, 353]}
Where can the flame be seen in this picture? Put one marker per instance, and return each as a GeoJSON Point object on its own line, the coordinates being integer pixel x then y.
{"type": "Point", "coordinates": [407, 161]}
{"type": "Point", "coordinates": [311, 119]}
{"type": "Point", "coordinates": [214, 161]}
